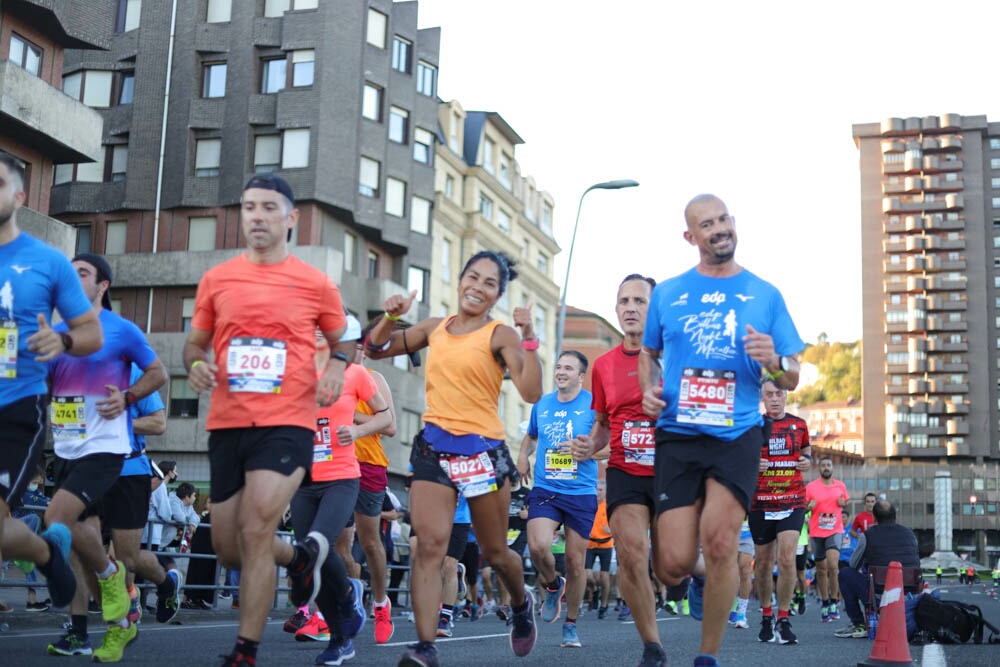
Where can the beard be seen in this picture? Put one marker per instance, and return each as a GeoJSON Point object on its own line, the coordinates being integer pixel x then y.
{"type": "Point", "coordinates": [826, 474]}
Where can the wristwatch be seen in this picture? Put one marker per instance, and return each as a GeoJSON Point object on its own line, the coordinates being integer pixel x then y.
{"type": "Point", "coordinates": [129, 397]}
{"type": "Point", "coordinates": [67, 341]}
{"type": "Point", "coordinates": [783, 363]}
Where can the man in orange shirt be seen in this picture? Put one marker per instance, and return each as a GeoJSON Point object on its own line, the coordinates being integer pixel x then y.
{"type": "Point", "coordinates": [258, 314]}
{"type": "Point", "coordinates": [600, 548]}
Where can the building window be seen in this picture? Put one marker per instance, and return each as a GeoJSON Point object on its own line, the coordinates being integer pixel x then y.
{"type": "Point", "coordinates": [219, 11]}
{"type": "Point", "coordinates": [445, 260]}
{"type": "Point", "coordinates": [208, 153]}
{"type": "Point", "coordinates": [449, 186]}
{"type": "Point", "coordinates": [488, 156]}
{"type": "Point", "coordinates": [213, 82]}
{"type": "Point", "coordinates": [423, 145]}
{"type": "Point", "coordinates": [541, 322]}
{"type": "Point", "coordinates": [350, 250]}
{"type": "Point", "coordinates": [266, 153]}
{"type": "Point", "coordinates": [377, 22]}
{"type": "Point", "coordinates": [119, 162]}
{"type": "Point", "coordinates": [201, 234]}
{"type": "Point", "coordinates": [275, 8]}
{"type": "Point", "coordinates": [126, 87]}
{"type": "Point", "coordinates": [420, 215]}
{"type": "Point", "coordinates": [187, 313]}
{"type": "Point", "coordinates": [114, 237]}
{"type": "Point", "coordinates": [504, 171]}
{"type": "Point", "coordinates": [426, 79]}
{"type": "Point", "coordinates": [372, 265]}
{"type": "Point", "coordinates": [994, 144]}
{"type": "Point", "coordinates": [369, 177]}
{"type": "Point", "coordinates": [273, 75]}
{"type": "Point", "coordinates": [395, 197]}
{"type": "Point", "coordinates": [371, 102]}
{"type": "Point", "coordinates": [543, 263]}
{"type": "Point", "coordinates": [994, 163]}
{"type": "Point", "coordinates": [25, 54]}
{"type": "Point", "coordinates": [90, 172]}
{"type": "Point", "coordinates": [996, 202]}
{"type": "Point", "coordinates": [399, 122]}
{"type": "Point", "coordinates": [416, 279]}
{"type": "Point", "coordinates": [303, 67]}
{"type": "Point", "coordinates": [83, 236]}
{"type": "Point", "coordinates": [92, 87]}
{"type": "Point", "coordinates": [547, 220]}
{"type": "Point", "coordinates": [183, 399]}
{"type": "Point", "coordinates": [453, 132]}
{"type": "Point", "coordinates": [401, 49]}
{"type": "Point", "coordinates": [503, 221]}
{"type": "Point", "coordinates": [295, 149]}
{"type": "Point", "coordinates": [486, 207]}
{"type": "Point", "coordinates": [127, 15]}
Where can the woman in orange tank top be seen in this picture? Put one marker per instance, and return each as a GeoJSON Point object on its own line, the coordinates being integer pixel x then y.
{"type": "Point", "coordinates": [461, 448]}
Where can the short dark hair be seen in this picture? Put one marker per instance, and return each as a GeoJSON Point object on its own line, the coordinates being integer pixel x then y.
{"type": "Point", "coordinates": [870, 494]}
{"type": "Point", "coordinates": [579, 357]}
{"type": "Point", "coordinates": [825, 457]}
{"type": "Point", "coordinates": [884, 512]}
{"type": "Point", "coordinates": [167, 466]}
{"type": "Point", "coordinates": [637, 276]}
{"type": "Point", "coordinates": [185, 490]}
{"type": "Point", "coordinates": [16, 168]}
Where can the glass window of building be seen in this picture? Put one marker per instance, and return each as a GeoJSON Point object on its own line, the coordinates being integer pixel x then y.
{"type": "Point", "coordinates": [219, 11]}
{"type": "Point", "coordinates": [114, 237]}
{"type": "Point", "coordinates": [373, 261]}
{"type": "Point", "coordinates": [377, 22]}
{"type": "Point", "coordinates": [83, 236]}
{"type": "Point", "coordinates": [350, 251]}
{"type": "Point", "coordinates": [275, 8]}
{"type": "Point", "coordinates": [420, 215]}
{"type": "Point", "coordinates": [126, 87]}
{"type": "Point", "coordinates": [369, 177]}
{"type": "Point", "coordinates": [504, 175]}
{"type": "Point", "coordinates": [208, 155]}
{"type": "Point", "coordinates": [503, 221]}
{"type": "Point", "coordinates": [201, 233]}
{"type": "Point", "coordinates": [127, 15]}
{"type": "Point", "coordinates": [486, 207]}
{"type": "Point", "coordinates": [90, 172]}
{"type": "Point", "coordinates": [295, 148]}
{"type": "Point", "coordinates": [266, 153]}
{"type": "Point", "coordinates": [445, 260]}
{"type": "Point", "coordinates": [994, 144]}
{"type": "Point", "coordinates": [92, 87]}
{"type": "Point", "coordinates": [371, 102]}
{"type": "Point", "coordinates": [213, 80]}
{"type": "Point", "coordinates": [187, 313]}
{"type": "Point", "coordinates": [543, 263]}
{"type": "Point", "coordinates": [119, 162]}
{"type": "Point", "coordinates": [395, 197]}
{"type": "Point", "coordinates": [273, 74]}
{"type": "Point", "coordinates": [25, 54]}
{"type": "Point", "coordinates": [488, 155]}
{"type": "Point", "coordinates": [401, 49]}
{"type": "Point", "coordinates": [423, 145]}
{"type": "Point", "coordinates": [416, 279]}
{"type": "Point", "coordinates": [183, 399]}
{"type": "Point", "coordinates": [426, 79]}
{"type": "Point", "coordinates": [303, 67]}
{"type": "Point", "coordinates": [994, 163]}
{"type": "Point", "coordinates": [399, 124]}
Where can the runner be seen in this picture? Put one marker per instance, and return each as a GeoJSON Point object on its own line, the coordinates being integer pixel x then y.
{"type": "Point", "coordinates": [258, 314]}
{"type": "Point", "coordinates": [623, 434]}
{"type": "Point", "coordinates": [778, 509]}
{"type": "Point", "coordinates": [865, 519]}
{"type": "Point", "coordinates": [461, 448]}
{"type": "Point", "coordinates": [801, 561]}
{"type": "Point", "coordinates": [35, 279]}
{"type": "Point", "coordinates": [718, 328]}
{"type": "Point", "coordinates": [564, 492]}
{"type": "Point", "coordinates": [825, 497]}
{"type": "Point", "coordinates": [517, 538]}
{"type": "Point", "coordinates": [744, 563]}
{"type": "Point", "coordinates": [600, 549]}
{"type": "Point", "coordinates": [90, 432]}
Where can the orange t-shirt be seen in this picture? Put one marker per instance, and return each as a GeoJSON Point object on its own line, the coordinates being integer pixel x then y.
{"type": "Point", "coordinates": [600, 534]}
{"type": "Point", "coordinates": [463, 382]}
{"type": "Point", "coordinates": [263, 319]}
{"type": "Point", "coordinates": [330, 460]}
{"type": "Point", "coordinates": [369, 448]}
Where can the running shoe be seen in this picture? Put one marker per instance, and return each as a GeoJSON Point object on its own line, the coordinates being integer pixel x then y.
{"type": "Point", "coordinates": [315, 630]}
{"type": "Point", "coordinates": [58, 573]}
{"type": "Point", "coordinates": [522, 632]}
{"type": "Point", "coordinates": [741, 622]}
{"type": "Point", "coordinates": [112, 649]}
{"type": "Point", "coordinates": [444, 627]}
{"type": "Point", "coordinates": [383, 623]}
{"type": "Point", "coordinates": [696, 591]}
{"type": "Point", "coordinates": [852, 632]}
{"type": "Point", "coordinates": [168, 603]}
{"type": "Point", "coordinates": [834, 611]}
{"type": "Point", "coordinates": [624, 614]}
{"type": "Point", "coordinates": [552, 606]}
{"type": "Point", "coordinates": [766, 633]}
{"type": "Point", "coordinates": [336, 654]}
{"type": "Point", "coordinates": [732, 617]}
{"type": "Point", "coordinates": [802, 605]}
{"type": "Point", "coordinates": [421, 654]}
{"type": "Point", "coordinates": [474, 612]}
{"type": "Point", "coordinates": [38, 606]}
{"type": "Point", "coordinates": [463, 589]}
{"type": "Point", "coordinates": [685, 607]}
{"type": "Point", "coordinates": [705, 661]}
{"type": "Point", "coordinates": [653, 655]}
{"type": "Point", "coordinates": [353, 610]}
{"type": "Point", "coordinates": [134, 608]}
{"type": "Point", "coordinates": [602, 613]}
{"type": "Point", "coordinates": [503, 612]}
{"type": "Point", "coordinates": [296, 622]}
{"type": "Point", "coordinates": [306, 581]}
{"type": "Point", "coordinates": [114, 595]}
{"type": "Point", "coordinates": [569, 636]}
{"type": "Point", "coordinates": [70, 644]}
{"type": "Point", "coordinates": [825, 615]}
{"type": "Point", "coordinates": [783, 632]}
{"type": "Point", "coordinates": [238, 660]}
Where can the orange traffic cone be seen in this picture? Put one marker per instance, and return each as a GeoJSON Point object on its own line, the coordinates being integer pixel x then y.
{"type": "Point", "coordinates": [891, 647]}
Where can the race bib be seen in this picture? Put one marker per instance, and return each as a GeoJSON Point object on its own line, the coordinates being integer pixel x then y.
{"type": "Point", "coordinates": [68, 416]}
{"type": "Point", "coordinates": [707, 397]}
{"type": "Point", "coordinates": [638, 442]}
{"type": "Point", "coordinates": [827, 521]}
{"type": "Point", "coordinates": [8, 349]}
{"type": "Point", "coordinates": [256, 365]}
{"type": "Point", "coordinates": [323, 443]}
{"type": "Point", "coordinates": [472, 475]}
{"type": "Point", "coordinates": [800, 549]}
{"type": "Point", "coordinates": [559, 466]}
{"type": "Point", "coordinates": [512, 536]}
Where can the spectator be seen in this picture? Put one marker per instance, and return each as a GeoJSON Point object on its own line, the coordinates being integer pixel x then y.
{"type": "Point", "coordinates": [182, 512]}
{"type": "Point", "coordinates": [201, 571]}
{"type": "Point", "coordinates": [34, 496]}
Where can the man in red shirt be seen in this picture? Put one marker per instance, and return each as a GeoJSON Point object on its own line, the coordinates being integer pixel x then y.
{"type": "Point", "coordinates": [864, 519]}
{"type": "Point", "coordinates": [825, 497]}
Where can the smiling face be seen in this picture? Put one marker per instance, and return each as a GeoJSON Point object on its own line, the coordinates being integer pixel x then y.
{"type": "Point", "coordinates": [568, 376]}
{"type": "Point", "coordinates": [711, 229]}
{"type": "Point", "coordinates": [266, 217]}
{"type": "Point", "coordinates": [479, 287]}
{"type": "Point", "coordinates": [633, 302]}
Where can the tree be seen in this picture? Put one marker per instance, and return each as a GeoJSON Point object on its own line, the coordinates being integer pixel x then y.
{"type": "Point", "coordinates": [839, 366]}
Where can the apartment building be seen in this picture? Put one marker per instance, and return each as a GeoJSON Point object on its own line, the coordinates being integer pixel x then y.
{"type": "Point", "coordinates": [337, 96]}
{"type": "Point", "coordinates": [484, 202]}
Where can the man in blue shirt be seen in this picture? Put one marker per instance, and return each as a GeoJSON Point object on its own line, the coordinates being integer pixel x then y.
{"type": "Point", "coordinates": [35, 279]}
{"type": "Point", "coordinates": [716, 330]}
{"type": "Point", "coordinates": [565, 490]}
{"type": "Point", "coordinates": [89, 422]}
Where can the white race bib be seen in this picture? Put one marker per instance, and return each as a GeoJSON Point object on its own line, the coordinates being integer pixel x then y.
{"type": "Point", "coordinates": [256, 365]}
{"type": "Point", "coordinates": [707, 397]}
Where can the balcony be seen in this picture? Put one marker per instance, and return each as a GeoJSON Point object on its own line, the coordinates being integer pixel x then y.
{"type": "Point", "coordinates": [958, 448]}
{"type": "Point", "coordinates": [951, 143]}
{"type": "Point", "coordinates": [892, 188]}
{"type": "Point", "coordinates": [950, 121]}
{"type": "Point", "coordinates": [913, 223]}
{"type": "Point", "coordinates": [916, 283]}
{"type": "Point", "coordinates": [939, 222]}
{"type": "Point", "coordinates": [892, 127]}
{"type": "Point", "coordinates": [915, 243]}
{"type": "Point", "coordinates": [893, 146]}
{"type": "Point", "coordinates": [913, 184]}
{"type": "Point", "coordinates": [954, 201]}
{"type": "Point", "coordinates": [957, 408]}
{"type": "Point", "coordinates": [894, 246]}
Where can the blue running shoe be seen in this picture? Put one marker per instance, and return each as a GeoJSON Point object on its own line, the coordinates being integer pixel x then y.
{"type": "Point", "coordinates": [354, 614]}
{"type": "Point", "coordinates": [570, 638]}
{"type": "Point", "coordinates": [58, 573]}
{"type": "Point", "coordinates": [706, 661]}
{"type": "Point", "coordinates": [337, 653]}
{"type": "Point", "coordinates": [696, 592]}
{"type": "Point", "coordinates": [552, 606]}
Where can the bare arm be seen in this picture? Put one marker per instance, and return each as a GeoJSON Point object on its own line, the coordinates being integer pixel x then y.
{"type": "Point", "coordinates": [85, 331]}
{"type": "Point", "coordinates": [528, 447]}
{"type": "Point", "coordinates": [649, 382]}
{"type": "Point", "coordinates": [386, 394]}
{"type": "Point", "coordinates": [153, 377]}
{"type": "Point", "coordinates": [384, 342]}
{"type": "Point", "coordinates": [523, 364]}
{"type": "Point", "coordinates": [379, 421]}
{"type": "Point", "coordinates": [151, 424]}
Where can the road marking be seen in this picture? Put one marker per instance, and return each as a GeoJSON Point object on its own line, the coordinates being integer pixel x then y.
{"type": "Point", "coordinates": [441, 640]}
{"type": "Point", "coordinates": [669, 618]}
{"type": "Point", "coordinates": [933, 656]}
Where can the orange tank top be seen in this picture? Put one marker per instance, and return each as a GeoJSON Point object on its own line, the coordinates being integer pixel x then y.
{"type": "Point", "coordinates": [463, 382]}
{"type": "Point", "coordinates": [369, 448]}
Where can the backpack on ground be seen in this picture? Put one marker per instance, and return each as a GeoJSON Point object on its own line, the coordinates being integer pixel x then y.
{"type": "Point", "coordinates": [952, 622]}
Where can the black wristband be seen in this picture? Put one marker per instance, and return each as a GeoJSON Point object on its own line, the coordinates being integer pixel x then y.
{"type": "Point", "coordinates": [67, 341]}
{"type": "Point", "coordinates": [341, 356]}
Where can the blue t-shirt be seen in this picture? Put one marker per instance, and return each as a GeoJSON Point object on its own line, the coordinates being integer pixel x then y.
{"type": "Point", "coordinates": [139, 465]}
{"type": "Point", "coordinates": [462, 514]}
{"type": "Point", "coordinates": [710, 384]}
{"type": "Point", "coordinates": [552, 424]}
{"type": "Point", "coordinates": [848, 545]}
{"type": "Point", "coordinates": [80, 381]}
{"type": "Point", "coordinates": [34, 278]}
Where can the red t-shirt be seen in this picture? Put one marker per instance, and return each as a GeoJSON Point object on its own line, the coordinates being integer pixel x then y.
{"type": "Point", "coordinates": [330, 460]}
{"type": "Point", "coordinates": [862, 522]}
{"type": "Point", "coordinates": [826, 520]}
{"type": "Point", "coordinates": [781, 486]}
{"type": "Point", "coordinates": [617, 394]}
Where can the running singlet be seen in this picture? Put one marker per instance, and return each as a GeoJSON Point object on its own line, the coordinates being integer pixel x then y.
{"type": "Point", "coordinates": [263, 319]}
{"type": "Point", "coordinates": [710, 384]}
{"type": "Point", "coordinates": [781, 486]}
{"type": "Point", "coordinates": [79, 382]}
{"type": "Point", "coordinates": [138, 463]}
{"type": "Point", "coordinates": [332, 461]}
{"type": "Point", "coordinates": [618, 395]}
{"type": "Point", "coordinates": [369, 448]}
{"type": "Point", "coordinates": [600, 534]}
{"type": "Point", "coordinates": [553, 423]}
{"type": "Point", "coordinates": [34, 278]}
{"type": "Point", "coordinates": [826, 520]}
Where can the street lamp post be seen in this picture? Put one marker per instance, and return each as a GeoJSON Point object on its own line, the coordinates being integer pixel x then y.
{"type": "Point", "coordinates": [607, 185]}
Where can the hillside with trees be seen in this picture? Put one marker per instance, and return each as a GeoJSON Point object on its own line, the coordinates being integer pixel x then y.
{"type": "Point", "coordinates": [839, 367]}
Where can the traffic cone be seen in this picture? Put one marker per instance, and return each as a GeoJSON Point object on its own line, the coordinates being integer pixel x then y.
{"type": "Point", "coordinates": [891, 646]}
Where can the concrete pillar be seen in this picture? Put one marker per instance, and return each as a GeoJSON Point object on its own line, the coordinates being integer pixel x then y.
{"type": "Point", "coordinates": [942, 511]}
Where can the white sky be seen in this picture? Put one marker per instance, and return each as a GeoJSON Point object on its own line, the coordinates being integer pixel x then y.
{"type": "Point", "coordinates": [751, 101]}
